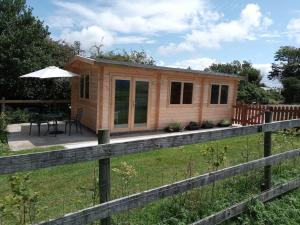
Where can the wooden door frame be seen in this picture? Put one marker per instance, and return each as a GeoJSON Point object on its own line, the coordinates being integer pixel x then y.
{"type": "Point", "coordinates": [134, 79]}
{"type": "Point", "coordinates": [131, 111]}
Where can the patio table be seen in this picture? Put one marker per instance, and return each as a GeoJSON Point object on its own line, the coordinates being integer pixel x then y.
{"type": "Point", "coordinates": [54, 117]}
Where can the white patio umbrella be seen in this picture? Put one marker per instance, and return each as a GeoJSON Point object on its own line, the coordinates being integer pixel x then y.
{"type": "Point", "coordinates": [50, 72]}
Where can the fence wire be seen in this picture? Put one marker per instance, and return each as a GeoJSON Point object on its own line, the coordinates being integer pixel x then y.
{"type": "Point", "coordinates": [68, 188]}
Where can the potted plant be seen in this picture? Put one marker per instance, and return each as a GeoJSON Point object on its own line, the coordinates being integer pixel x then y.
{"type": "Point", "coordinates": [173, 127]}
{"type": "Point", "coordinates": [207, 124]}
{"type": "Point", "coordinates": [192, 126]}
{"type": "Point", "coordinates": [224, 123]}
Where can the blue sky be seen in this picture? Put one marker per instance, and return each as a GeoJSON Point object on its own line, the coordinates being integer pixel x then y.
{"type": "Point", "coordinates": [177, 33]}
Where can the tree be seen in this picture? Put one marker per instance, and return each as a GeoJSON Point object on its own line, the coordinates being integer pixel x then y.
{"type": "Point", "coordinates": [244, 69]}
{"type": "Point", "coordinates": [25, 46]}
{"type": "Point", "coordinates": [250, 89]}
{"type": "Point", "coordinates": [134, 56]}
{"type": "Point", "coordinates": [77, 48]}
{"type": "Point", "coordinates": [286, 69]}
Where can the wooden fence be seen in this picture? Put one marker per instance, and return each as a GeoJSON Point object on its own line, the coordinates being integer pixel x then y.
{"type": "Point", "coordinates": [245, 114]}
{"type": "Point", "coordinates": [4, 101]}
{"type": "Point", "coordinates": [103, 153]}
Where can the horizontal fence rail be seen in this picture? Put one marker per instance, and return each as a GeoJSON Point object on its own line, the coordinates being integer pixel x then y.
{"type": "Point", "coordinates": [3, 101]}
{"type": "Point", "coordinates": [241, 207]}
{"type": "Point", "coordinates": [104, 210]}
{"type": "Point", "coordinates": [26, 162]}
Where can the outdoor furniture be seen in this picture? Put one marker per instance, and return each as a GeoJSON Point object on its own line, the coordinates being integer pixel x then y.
{"type": "Point", "coordinates": [53, 119]}
{"type": "Point", "coordinates": [38, 119]}
{"type": "Point", "coordinates": [76, 121]}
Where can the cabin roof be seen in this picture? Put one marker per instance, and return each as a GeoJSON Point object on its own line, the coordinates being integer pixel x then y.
{"type": "Point", "coordinates": [152, 67]}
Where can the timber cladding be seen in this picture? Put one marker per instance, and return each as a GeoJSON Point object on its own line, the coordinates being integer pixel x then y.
{"type": "Point", "coordinates": [100, 111]}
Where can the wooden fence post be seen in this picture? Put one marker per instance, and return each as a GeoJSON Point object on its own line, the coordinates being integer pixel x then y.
{"type": "Point", "coordinates": [244, 114]}
{"type": "Point", "coordinates": [266, 185]}
{"type": "Point", "coordinates": [3, 105]}
{"type": "Point", "coordinates": [104, 174]}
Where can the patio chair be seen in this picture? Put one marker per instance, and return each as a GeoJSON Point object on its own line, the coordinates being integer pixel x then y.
{"type": "Point", "coordinates": [36, 118]}
{"type": "Point", "coordinates": [76, 121]}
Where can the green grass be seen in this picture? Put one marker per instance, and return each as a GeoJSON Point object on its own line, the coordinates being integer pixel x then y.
{"type": "Point", "coordinates": [67, 188]}
{"type": "Point", "coordinates": [285, 210]}
{"type": "Point", "coordinates": [4, 150]}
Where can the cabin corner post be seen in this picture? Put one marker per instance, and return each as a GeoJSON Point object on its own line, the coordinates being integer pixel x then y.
{"type": "Point", "coordinates": [158, 96]}
{"type": "Point", "coordinates": [267, 181]}
{"type": "Point", "coordinates": [100, 83]}
{"type": "Point", "coordinates": [202, 99]}
{"type": "Point", "coordinates": [104, 174]}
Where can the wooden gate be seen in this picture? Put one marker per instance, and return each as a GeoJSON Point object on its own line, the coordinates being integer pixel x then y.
{"type": "Point", "coordinates": [255, 114]}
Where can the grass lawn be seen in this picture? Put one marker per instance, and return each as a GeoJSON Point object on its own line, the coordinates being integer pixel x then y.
{"type": "Point", "coordinates": [64, 189]}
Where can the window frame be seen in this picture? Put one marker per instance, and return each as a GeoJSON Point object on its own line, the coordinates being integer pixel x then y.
{"type": "Point", "coordinates": [219, 92]}
{"type": "Point", "coordinates": [84, 78]}
{"type": "Point", "coordinates": [181, 92]}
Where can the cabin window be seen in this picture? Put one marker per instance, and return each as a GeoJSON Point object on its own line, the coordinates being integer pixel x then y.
{"type": "Point", "coordinates": [175, 92]}
{"type": "Point", "coordinates": [187, 93]}
{"type": "Point", "coordinates": [224, 94]}
{"type": "Point", "coordinates": [219, 94]}
{"type": "Point", "coordinates": [85, 86]}
{"type": "Point", "coordinates": [181, 93]}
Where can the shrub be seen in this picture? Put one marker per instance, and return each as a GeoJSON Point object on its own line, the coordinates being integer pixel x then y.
{"type": "Point", "coordinates": [3, 125]}
{"type": "Point", "coordinates": [4, 150]}
{"type": "Point", "coordinates": [207, 124]}
{"type": "Point", "coordinates": [18, 116]}
{"type": "Point", "coordinates": [22, 202]}
{"type": "Point", "coordinates": [173, 127]}
{"type": "Point", "coordinates": [192, 126]}
{"type": "Point", "coordinates": [224, 123]}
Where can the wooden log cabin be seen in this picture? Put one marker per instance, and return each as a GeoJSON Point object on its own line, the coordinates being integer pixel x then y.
{"type": "Point", "coordinates": [124, 97]}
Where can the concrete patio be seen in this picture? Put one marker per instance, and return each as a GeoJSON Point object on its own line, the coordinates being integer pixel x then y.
{"type": "Point", "coordinates": [19, 138]}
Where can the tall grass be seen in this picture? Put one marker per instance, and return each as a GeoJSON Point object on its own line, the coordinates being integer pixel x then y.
{"type": "Point", "coordinates": [68, 188]}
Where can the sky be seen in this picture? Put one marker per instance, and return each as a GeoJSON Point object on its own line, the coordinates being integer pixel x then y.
{"type": "Point", "coordinates": [179, 33]}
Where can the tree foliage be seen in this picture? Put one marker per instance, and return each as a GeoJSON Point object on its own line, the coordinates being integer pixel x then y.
{"type": "Point", "coordinates": [133, 56]}
{"type": "Point", "coordinates": [250, 87]}
{"type": "Point", "coordinates": [286, 69]}
{"type": "Point", "coordinates": [25, 46]}
{"type": "Point", "coordinates": [244, 69]}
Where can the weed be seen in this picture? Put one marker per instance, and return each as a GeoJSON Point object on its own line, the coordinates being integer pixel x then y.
{"type": "Point", "coordinates": [22, 202]}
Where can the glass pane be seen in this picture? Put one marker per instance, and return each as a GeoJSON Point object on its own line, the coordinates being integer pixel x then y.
{"type": "Point", "coordinates": [224, 94]}
{"type": "Point", "coordinates": [175, 93]}
{"type": "Point", "coordinates": [214, 98]}
{"type": "Point", "coordinates": [187, 93]}
{"type": "Point", "coordinates": [141, 103]}
{"type": "Point", "coordinates": [121, 103]}
{"type": "Point", "coordinates": [81, 86]}
{"type": "Point", "coordinates": [87, 86]}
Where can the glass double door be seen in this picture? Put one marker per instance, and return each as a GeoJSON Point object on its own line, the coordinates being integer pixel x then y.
{"type": "Point", "coordinates": [130, 105]}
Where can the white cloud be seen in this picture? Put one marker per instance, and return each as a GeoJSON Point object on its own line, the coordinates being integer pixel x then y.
{"type": "Point", "coordinates": [175, 48]}
{"type": "Point", "coordinates": [195, 64]}
{"type": "Point", "coordinates": [250, 23]}
{"type": "Point", "coordinates": [293, 28]}
{"type": "Point", "coordinates": [130, 21]}
{"type": "Point", "coordinates": [147, 16]}
{"type": "Point", "coordinates": [89, 36]}
{"type": "Point", "coordinates": [94, 35]}
{"type": "Point", "coordinates": [265, 69]}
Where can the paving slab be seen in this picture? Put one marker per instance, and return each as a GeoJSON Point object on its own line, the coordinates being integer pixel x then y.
{"type": "Point", "coordinates": [19, 138]}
